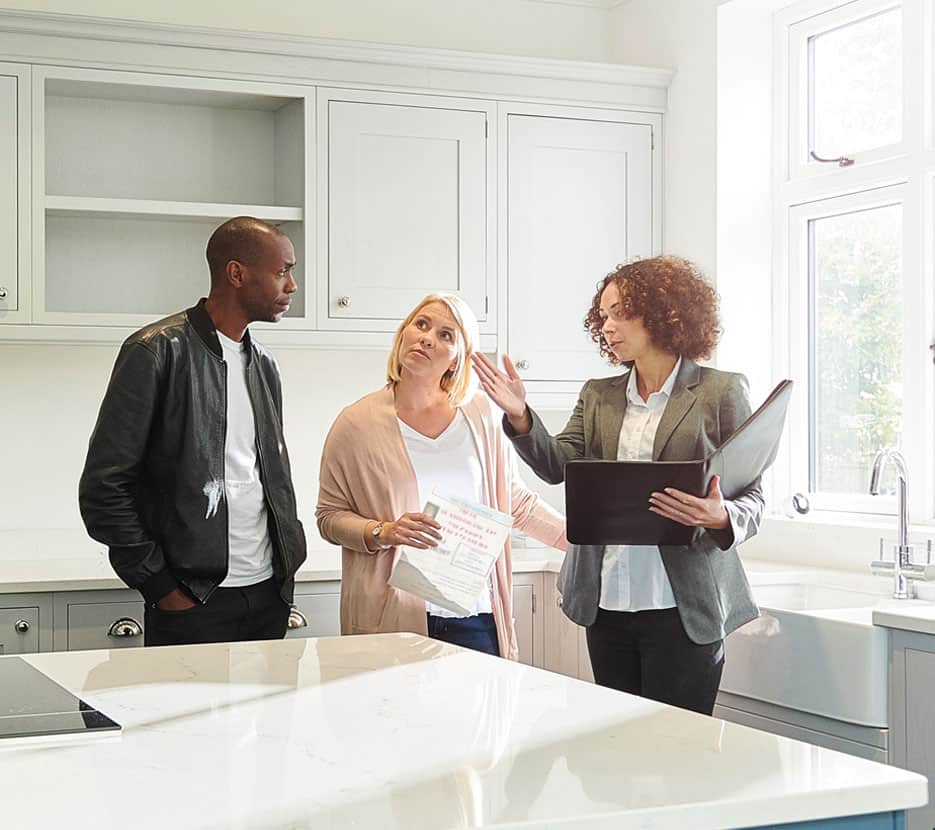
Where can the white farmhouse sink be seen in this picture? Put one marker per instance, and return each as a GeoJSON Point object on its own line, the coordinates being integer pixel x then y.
{"type": "Point", "coordinates": [814, 649]}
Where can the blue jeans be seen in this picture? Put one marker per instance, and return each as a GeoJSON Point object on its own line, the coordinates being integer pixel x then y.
{"type": "Point", "coordinates": [478, 632]}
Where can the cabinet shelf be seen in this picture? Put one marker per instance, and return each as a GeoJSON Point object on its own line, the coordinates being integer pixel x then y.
{"type": "Point", "coordinates": [94, 206]}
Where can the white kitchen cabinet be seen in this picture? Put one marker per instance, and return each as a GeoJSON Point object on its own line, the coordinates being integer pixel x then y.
{"type": "Point", "coordinates": [14, 190]}
{"type": "Point", "coordinates": [97, 619]}
{"type": "Point", "coordinates": [582, 195]}
{"type": "Point", "coordinates": [25, 623]}
{"type": "Point", "coordinates": [391, 169]}
{"type": "Point", "coordinates": [136, 170]}
{"type": "Point", "coordinates": [409, 205]}
{"type": "Point", "coordinates": [527, 617]}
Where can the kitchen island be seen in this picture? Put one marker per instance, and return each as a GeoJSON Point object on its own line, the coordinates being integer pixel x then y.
{"type": "Point", "coordinates": [398, 731]}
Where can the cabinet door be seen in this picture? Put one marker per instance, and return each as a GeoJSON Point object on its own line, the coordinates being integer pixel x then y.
{"type": "Point", "coordinates": [580, 201]}
{"type": "Point", "coordinates": [407, 206]}
{"type": "Point", "coordinates": [98, 619]}
{"type": "Point", "coordinates": [527, 619]}
{"type": "Point", "coordinates": [920, 732]}
{"type": "Point", "coordinates": [19, 630]}
{"type": "Point", "coordinates": [14, 171]}
{"type": "Point", "coordinates": [321, 612]}
{"type": "Point", "coordinates": [561, 634]}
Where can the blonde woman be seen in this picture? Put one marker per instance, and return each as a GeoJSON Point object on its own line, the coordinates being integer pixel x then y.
{"type": "Point", "coordinates": [424, 431]}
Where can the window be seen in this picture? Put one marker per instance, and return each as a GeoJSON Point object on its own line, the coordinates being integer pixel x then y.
{"type": "Point", "coordinates": [853, 197]}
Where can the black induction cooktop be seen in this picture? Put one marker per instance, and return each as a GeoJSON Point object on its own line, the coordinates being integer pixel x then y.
{"type": "Point", "coordinates": [33, 705]}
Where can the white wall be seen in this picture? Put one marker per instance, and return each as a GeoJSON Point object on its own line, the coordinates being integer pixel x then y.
{"type": "Point", "coordinates": [680, 35]}
{"type": "Point", "coordinates": [50, 402]}
{"type": "Point", "coordinates": [514, 27]}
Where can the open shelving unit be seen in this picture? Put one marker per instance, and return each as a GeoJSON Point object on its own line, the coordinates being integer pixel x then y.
{"type": "Point", "coordinates": [138, 170]}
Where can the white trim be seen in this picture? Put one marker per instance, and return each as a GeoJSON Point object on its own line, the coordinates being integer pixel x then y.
{"type": "Point", "coordinates": [276, 336]}
{"type": "Point", "coordinates": [797, 325]}
{"type": "Point", "coordinates": [20, 280]}
{"type": "Point", "coordinates": [606, 5]}
{"type": "Point", "coordinates": [79, 27]}
{"type": "Point", "coordinates": [91, 205]}
{"type": "Point", "coordinates": [800, 33]}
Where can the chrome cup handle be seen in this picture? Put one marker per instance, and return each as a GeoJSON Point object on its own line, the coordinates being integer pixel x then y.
{"type": "Point", "coordinates": [125, 627]}
{"type": "Point", "coordinates": [296, 619]}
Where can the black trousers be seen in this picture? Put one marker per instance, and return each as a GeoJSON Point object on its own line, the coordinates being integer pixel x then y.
{"type": "Point", "coordinates": [648, 653]}
{"type": "Point", "coordinates": [255, 612]}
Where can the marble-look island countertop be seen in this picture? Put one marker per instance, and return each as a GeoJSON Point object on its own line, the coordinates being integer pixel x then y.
{"type": "Point", "coordinates": [398, 731]}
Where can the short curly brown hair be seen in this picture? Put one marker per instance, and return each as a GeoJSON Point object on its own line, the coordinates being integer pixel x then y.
{"type": "Point", "coordinates": [677, 305]}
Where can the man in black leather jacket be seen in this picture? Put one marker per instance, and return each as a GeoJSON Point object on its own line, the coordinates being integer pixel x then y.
{"type": "Point", "coordinates": [187, 478]}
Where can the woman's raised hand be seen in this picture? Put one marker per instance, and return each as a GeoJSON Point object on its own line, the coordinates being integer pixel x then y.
{"type": "Point", "coordinates": [416, 530]}
{"type": "Point", "coordinates": [505, 390]}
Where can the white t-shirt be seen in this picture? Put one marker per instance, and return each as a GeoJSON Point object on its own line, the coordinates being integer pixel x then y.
{"type": "Point", "coordinates": [251, 550]}
{"type": "Point", "coordinates": [633, 577]}
{"type": "Point", "coordinates": [450, 466]}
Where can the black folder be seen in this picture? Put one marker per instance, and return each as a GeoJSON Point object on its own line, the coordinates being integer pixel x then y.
{"type": "Point", "coordinates": [607, 502]}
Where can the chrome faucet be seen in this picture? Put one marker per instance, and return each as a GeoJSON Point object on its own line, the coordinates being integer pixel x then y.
{"type": "Point", "coordinates": [901, 567]}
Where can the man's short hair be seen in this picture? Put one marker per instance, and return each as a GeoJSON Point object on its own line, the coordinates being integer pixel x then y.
{"type": "Point", "coordinates": [240, 239]}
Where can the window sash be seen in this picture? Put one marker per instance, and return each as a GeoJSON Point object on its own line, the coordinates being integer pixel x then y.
{"type": "Point", "coordinates": [797, 67]}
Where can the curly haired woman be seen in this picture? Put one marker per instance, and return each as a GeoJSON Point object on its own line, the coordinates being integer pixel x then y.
{"type": "Point", "coordinates": [656, 617]}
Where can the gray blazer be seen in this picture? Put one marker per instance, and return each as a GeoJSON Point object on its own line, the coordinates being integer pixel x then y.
{"type": "Point", "coordinates": [705, 407]}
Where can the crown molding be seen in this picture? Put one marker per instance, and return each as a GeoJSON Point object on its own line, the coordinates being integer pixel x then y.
{"type": "Point", "coordinates": [160, 34]}
{"type": "Point", "coordinates": [607, 5]}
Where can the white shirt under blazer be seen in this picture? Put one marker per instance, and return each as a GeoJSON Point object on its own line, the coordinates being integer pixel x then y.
{"type": "Point", "coordinates": [633, 577]}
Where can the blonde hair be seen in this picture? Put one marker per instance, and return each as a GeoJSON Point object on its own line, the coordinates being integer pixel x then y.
{"type": "Point", "coordinates": [457, 383]}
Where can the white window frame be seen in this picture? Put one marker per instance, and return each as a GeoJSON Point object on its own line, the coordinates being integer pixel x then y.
{"type": "Point", "coordinates": [904, 173]}
{"type": "Point", "coordinates": [800, 104]}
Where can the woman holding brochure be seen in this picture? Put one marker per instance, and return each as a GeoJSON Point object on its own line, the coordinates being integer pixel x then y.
{"type": "Point", "coordinates": [656, 617]}
{"type": "Point", "coordinates": [424, 432]}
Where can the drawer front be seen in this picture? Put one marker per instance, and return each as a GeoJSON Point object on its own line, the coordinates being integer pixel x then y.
{"type": "Point", "coordinates": [322, 612]}
{"type": "Point", "coordinates": [19, 630]}
{"type": "Point", "coordinates": [105, 625]}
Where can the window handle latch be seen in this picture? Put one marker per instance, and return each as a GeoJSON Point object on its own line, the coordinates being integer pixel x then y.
{"type": "Point", "coordinates": [841, 161]}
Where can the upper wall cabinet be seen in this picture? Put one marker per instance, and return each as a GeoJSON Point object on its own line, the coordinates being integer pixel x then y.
{"type": "Point", "coordinates": [14, 190]}
{"type": "Point", "coordinates": [581, 197]}
{"type": "Point", "coordinates": [515, 183]}
{"type": "Point", "coordinates": [409, 205]}
{"type": "Point", "coordinates": [136, 172]}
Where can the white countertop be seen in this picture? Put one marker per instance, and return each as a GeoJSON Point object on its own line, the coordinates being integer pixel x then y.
{"type": "Point", "coordinates": [68, 560]}
{"type": "Point", "coordinates": [398, 731]}
{"type": "Point", "coordinates": [920, 618]}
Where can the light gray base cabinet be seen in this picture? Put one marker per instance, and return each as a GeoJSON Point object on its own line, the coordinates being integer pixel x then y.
{"type": "Point", "coordinates": [912, 713]}
{"type": "Point", "coordinates": [863, 741]}
{"type": "Point", "coordinates": [25, 623]}
{"type": "Point", "coordinates": [113, 618]}
{"type": "Point", "coordinates": [319, 607]}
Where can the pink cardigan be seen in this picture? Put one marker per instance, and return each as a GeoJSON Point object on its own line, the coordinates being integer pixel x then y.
{"type": "Point", "coordinates": [366, 475]}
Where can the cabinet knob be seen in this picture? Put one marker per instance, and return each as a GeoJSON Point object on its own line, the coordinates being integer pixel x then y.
{"type": "Point", "coordinates": [344, 302]}
{"type": "Point", "coordinates": [21, 626]}
{"type": "Point", "coordinates": [3, 292]}
{"type": "Point", "coordinates": [296, 619]}
{"type": "Point", "coordinates": [125, 627]}
{"type": "Point", "coordinates": [522, 364]}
